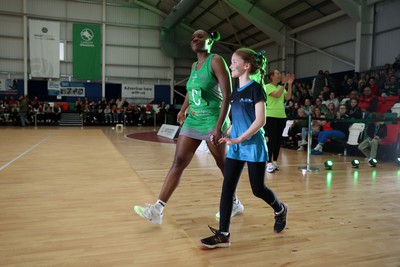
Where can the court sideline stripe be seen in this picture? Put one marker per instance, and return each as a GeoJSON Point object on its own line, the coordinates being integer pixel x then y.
{"type": "Point", "coordinates": [21, 155]}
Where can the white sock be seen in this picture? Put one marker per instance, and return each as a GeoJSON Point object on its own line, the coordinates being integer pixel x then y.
{"type": "Point", "coordinates": [160, 205]}
{"type": "Point", "coordinates": [318, 147]}
{"type": "Point", "coordinates": [225, 233]}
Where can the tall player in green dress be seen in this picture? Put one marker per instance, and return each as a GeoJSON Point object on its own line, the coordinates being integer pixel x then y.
{"type": "Point", "coordinates": [207, 101]}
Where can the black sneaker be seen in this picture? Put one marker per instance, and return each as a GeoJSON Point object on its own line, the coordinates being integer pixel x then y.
{"type": "Point", "coordinates": [280, 220]}
{"type": "Point", "coordinates": [218, 240]}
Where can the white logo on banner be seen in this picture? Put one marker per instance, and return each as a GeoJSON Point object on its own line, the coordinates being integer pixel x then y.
{"type": "Point", "coordinates": [87, 36]}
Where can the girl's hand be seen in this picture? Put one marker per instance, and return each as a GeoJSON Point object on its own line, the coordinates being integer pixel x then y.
{"type": "Point", "coordinates": [228, 141]}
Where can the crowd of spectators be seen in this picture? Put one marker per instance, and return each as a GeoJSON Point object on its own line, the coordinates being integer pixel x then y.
{"type": "Point", "coordinates": [26, 111]}
{"type": "Point", "coordinates": [362, 95]}
{"type": "Point", "coordinates": [119, 111]}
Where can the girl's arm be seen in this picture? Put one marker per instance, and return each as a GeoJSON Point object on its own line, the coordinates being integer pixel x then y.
{"type": "Point", "coordinates": [257, 124]}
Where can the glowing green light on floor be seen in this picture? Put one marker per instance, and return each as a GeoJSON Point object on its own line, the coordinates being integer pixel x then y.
{"type": "Point", "coordinates": [355, 177]}
{"type": "Point", "coordinates": [374, 176]}
{"type": "Point", "coordinates": [329, 180]}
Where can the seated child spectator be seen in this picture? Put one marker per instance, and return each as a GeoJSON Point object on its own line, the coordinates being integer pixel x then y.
{"type": "Point", "coordinates": [353, 111]}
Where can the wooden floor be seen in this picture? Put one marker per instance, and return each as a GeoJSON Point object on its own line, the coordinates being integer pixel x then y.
{"type": "Point", "coordinates": [67, 197]}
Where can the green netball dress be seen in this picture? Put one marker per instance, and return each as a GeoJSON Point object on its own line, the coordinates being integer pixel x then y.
{"type": "Point", "coordinates": [205, 100]}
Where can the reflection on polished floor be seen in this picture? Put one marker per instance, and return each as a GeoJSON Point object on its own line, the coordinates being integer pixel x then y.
{"type": "Point", "coordinates": [66, 199]}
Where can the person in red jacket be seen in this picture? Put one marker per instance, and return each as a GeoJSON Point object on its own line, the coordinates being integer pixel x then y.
{"type": "Point", "coordinates": [368, 102]}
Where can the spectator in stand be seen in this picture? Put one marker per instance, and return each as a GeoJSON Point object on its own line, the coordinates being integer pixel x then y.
{"type": "Point", "coordinates": [306, 95]}
{"type": "Point", "coordinates": [35, 102]}
{"type": "Point", "coordinates": [48, 111]}
{"type": "Point", "coordinates": [347, 88]}
{"type": "Point", "coordinates": [330, 111]}
{"type": "Point", "coordinates": [318, 104]}
{"type": "Point", "coordinates": [6, 112]}
{"type": "Point", "coordinates": [297, 97]}
{"type": "Point", "coordinates": [115, 114]}
{"type": "Point", "coordinates": [104, 103]}
{"type": "Point", "coordinates": [14, 112]}
{"type": "Point", "coordinates": [296, 107]}
{"type": "Point", "coordinates": [353, 111]}
{"type": "Point", "coordinates": [24, 109]}
{"type": "Point", "coordinates": [387, 71]}
{"type": "Point", "coordinates": [57, 113]}
{"type": "Point", "coordinates": [112, 104]}
{"type": "Point", "coordinates": [119, 102]}
{"type": "Point", "coordinates": [289, 109]}
{"type": "Point", "coordinates": [330, 80]}
{"type": "Point", "coordinates": [129, 114]}
{"type": "Point", "coordinates": [391, 87]}
{"type": "Point", "coordinates": [308, 107]}
{"type": "Point", "coordinates": [367, 76]}
{"type": "Point", "coordinates": [340, 130]}
{"type": "Point", "coordinates": [374, 87]}
{"type": "Point", "coordinates": [376, 132]}
{"type": "Point", "coordinates": [86, 113]}
{"type": "Point", "coordinates": [318, 83]}
{"type": "Point", "coordinates": [361, 85]}
{"type": "Point", "coordinates": [135, 114]}
{"type": "Point", "coordinates": [380, 81]}
{"type": "Point", "coordinates": [94, 113]}
{"type": "Point", "coordinates": [332, 99]}
{"type": "Point", "coordinates": [12, 100]}
{"type": "Point", "coordinates": [396, 64]}
{"type": "Point", "coordinates": [107, 115]}
{"type": "Point", "coordinates": [368, 102]}
{"type": "Point", "coordinates": [78, 106]}
{"type": "Point", "coordinates": [325, 93]}
{"type": "Point", "coordinates": [142, 116]}
{"type": "Point", "coordinates": [316, 127]}
{"type": "Point", "coordinates": [162, 111]}
{"type": "Point", "coordinates": [39, 113]}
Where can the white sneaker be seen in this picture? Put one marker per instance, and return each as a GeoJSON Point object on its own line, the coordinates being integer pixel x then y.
{"type": "Point", "coordinates": [303, 143]}
{"type": "Point", "coordinates": [270, 167]}
{"type": "Point", "coordinates": [150, 213]}
{"type": "Point", "coordinates": [275, 165]}
{"type": "Point", "coordinates": [318, 147]}
{"type": "Point", "coordinates": [301, 148]}
{"type": "Point", "coordinates": [237, 208]}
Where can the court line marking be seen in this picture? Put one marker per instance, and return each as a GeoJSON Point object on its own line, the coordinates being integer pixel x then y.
{"type": "Point", "coordinates": [22, 154]}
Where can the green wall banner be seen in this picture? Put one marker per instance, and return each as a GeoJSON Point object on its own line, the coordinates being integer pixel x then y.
{"type": "Point", "coordinates": [86, 52]}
